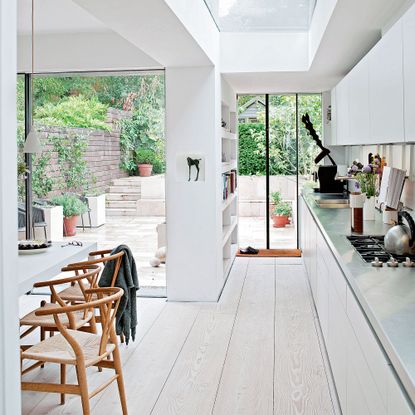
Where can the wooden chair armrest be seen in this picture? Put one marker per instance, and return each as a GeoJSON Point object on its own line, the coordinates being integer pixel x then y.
{"type": "Point", "coordinates": [79, 267]}
{"type": "Point", "coordinates": [102, 252]}
{"type": "Point", "coordinates": [64, 280]}
{"type": "Point", "coordinates": [114, 294]}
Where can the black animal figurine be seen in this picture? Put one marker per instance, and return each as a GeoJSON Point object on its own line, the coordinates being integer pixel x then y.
{"type": "Point", "coordinates": [193, 162]}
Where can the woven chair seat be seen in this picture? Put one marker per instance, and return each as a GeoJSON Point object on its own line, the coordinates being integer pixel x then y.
{"type": "Point", "coordinates": [57, 350]}
{"type": "Point", "coordinates": [74, 294]}
{"type": "Point", "coordinates": [32, 319]}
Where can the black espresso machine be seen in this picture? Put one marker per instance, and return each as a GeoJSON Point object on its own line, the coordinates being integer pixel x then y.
{"type": "Point", "coordinates": [326, 173]}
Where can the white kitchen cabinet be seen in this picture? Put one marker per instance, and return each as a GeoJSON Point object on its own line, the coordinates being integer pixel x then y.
{"type": "Point", "coordinates": [359, 122]}
{"type": "Point", "coordinates": [342, 112]}
{"type": "Point", "coordinates": [386, 88]}
{"type": "Point", "coordinates": [333, 135]}
{"type": "Point", "coordinates": [409, 73]}
{"type": "Point", "coordinates": [337, 344]}
{"type": "Point", "coordinates": [397, 402]}
{"type": "Point", "coordinates": [364, 379]}
{"type": "Point", "coordinates": [322, 289]}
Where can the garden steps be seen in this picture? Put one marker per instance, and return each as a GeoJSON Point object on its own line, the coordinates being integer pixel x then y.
{"type": "Point", "coordinates": [121, 212]}
{"type": "Point", "coordinates": [114, 197]}
{"type": "Point", "coordinates": [119, 204]}
{"type": "Point", "coordinates": [134, 189]}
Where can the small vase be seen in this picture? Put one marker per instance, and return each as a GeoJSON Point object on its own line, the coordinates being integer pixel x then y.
{"type": "Point", "coordinates": [369, 211]}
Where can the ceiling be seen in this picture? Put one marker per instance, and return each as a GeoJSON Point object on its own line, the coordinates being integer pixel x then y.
{"type": "Point", "coordinates": [261, 15]}
{"type": "Point", "coordinates": [354, 28]}
{"type": "Point", "coordinates": [56, 16]}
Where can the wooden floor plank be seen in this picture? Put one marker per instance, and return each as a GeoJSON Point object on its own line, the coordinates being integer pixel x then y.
{"type": "Point", "coordinates": [149, 367]}
{"type": "Point", "coordinates": [300, 380]}
{"type": "Point", "coordinates": [192, 385]}
{"type": "Point", "coordinates": [246, 385]}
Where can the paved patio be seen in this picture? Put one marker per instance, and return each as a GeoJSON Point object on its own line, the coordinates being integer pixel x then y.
{"type": "Point", "coordinates": [140, 234]}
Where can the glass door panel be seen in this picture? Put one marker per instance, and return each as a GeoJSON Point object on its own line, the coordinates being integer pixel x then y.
{"type": "Point", "coordinates": [282, 172]}
{"type": "Point", "coordinates": [252, 171]}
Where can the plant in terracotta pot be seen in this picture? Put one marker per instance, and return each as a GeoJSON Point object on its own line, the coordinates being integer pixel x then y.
{"type": "Point", "coordinates": [145, 159]}
{"type": "Point", "coordinates": [73, 207]}
{"type": "Point", "coordinates": [282, 213]}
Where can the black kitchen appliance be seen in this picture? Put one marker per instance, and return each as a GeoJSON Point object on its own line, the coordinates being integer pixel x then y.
{"type": "Point", "coordinates": [326, 174]}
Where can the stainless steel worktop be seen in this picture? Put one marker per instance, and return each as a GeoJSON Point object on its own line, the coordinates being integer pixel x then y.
{"type": "Point", "coordinates": [386, 295]}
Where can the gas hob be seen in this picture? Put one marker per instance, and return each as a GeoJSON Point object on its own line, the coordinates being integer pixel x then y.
{"type": "Point", "coordinates": [370, 247]}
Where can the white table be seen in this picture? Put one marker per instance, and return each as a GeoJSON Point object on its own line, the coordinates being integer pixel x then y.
{"type": "Point", "coordinates": [46, 265]}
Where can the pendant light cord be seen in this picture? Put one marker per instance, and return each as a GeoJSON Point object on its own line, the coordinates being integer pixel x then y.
{"type": "Point", "coordinates": [33, 57]}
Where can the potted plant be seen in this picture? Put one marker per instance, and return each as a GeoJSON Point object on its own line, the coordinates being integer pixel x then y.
{"type": "Point", "coordinates": [145, 159]}
{"type": "Point", "coordinates": [72, 208]}
{"type": "Point", "coordinates": [282, 213]}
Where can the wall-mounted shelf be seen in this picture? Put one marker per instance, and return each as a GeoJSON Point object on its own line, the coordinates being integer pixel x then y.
{"type": "Point", "coordinates": [227, 135]}
{"type": "Point", "coordinates": [228, 166]}
{"type": "Point", "coordinates": [227, 202]}
{"type": "Point", "coordinates": [228, 229]}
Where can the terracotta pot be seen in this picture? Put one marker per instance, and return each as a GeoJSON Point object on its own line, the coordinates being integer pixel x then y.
{"type": "Point", "coordinates": [69, 225]}
{"type": "Point", "coordinates": [145, 170]}
{"type": "Point", "coordinates": [280, 221]}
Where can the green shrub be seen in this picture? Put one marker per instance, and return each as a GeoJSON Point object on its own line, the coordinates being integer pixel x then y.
{"type": "Point", "coordinates": [283, 209]}
{"type": "Point", "coordinates": [42, 182]}
{"type": "Point", "coordinates": [145, 156]}
{"type": "Point", "coordinates": [71, 205]}
{"type": "Point", "coordinates": [251, 161]}
{"type": "Point", "coordinates": [74, 111]}
{"type": "Point", "coordinates": [276, 198]}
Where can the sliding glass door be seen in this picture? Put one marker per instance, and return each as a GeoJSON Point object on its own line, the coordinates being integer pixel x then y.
{"type": "Point", "coordinates": [276, 156]}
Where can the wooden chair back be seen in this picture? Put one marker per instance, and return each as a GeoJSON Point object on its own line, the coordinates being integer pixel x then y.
{"type": "Point", "coordinates": [104, 257]}
{"type": "Point", "coordinates": [86, 280]}
{"type": "Point", "coordinates": [107, 302]}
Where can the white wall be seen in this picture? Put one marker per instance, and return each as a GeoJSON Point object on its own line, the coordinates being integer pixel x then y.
{"type": "Point", "coordinates": [264, 52]}
{"type": "Point", "coordinates": [193, 209]}
{"type": "Point", "coordinates": [322, 14]}
{"type": "Point", "coordinates": [62, 52]}
{"type": "Point", "coordinates": [9, 334]}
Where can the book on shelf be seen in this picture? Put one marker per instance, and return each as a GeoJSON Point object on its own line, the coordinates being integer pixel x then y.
{"type": "Point", "coordinates": [230, 183]}
{"type": "Point", "coordinates": [391, 187]}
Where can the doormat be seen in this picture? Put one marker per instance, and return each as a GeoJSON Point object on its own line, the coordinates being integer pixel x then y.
{"type": "Point", "coordinates": [274, 253]}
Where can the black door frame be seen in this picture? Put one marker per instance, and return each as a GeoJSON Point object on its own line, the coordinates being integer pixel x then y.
{"type": "Point", "coordinates": [267, 169]}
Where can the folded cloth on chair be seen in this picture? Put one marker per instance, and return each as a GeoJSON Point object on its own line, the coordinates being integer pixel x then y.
{"type": "Point", "coordinates": [126, 317]}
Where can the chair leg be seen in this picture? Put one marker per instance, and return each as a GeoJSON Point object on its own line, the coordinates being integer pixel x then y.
{"type": "Point", "coordinates": [83, 224]}
{"type": "Point", "coordinates": [83, 384]}
{"type": "Point", "coordinates": [120, 380]}
{"type": "Point", "coordinates": [89, 216]}
{"type": "Point", "coordinates": [46, 233]}
{"type": "Point", "coordinates": [63, 381]}
{"type": "Point", "coordinates": [42, 337]}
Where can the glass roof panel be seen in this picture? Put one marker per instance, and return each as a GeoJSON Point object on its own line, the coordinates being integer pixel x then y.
{"type": "Point", "coordinates": [261, 15]}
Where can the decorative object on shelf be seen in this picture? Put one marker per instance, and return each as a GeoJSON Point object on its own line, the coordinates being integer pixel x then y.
{"type": "Point", "coordinates": [33, 247]}
{"type": "Point", "coordinates": [73, 207]}
{"type": "Point", "coordinates": [223, 123]}
{"type": "Point", "coordinates": [193, 162]}
{"type": "Point", "coordinates": [326, 174]}
{"type": "Point", "coordinates": [229, 184]}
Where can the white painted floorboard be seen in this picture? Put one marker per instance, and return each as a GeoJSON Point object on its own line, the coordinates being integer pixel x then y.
{"type": "Point", "coordinates": [256, 352]}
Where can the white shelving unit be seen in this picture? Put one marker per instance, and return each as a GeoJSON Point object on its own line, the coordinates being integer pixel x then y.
{"type": "Point", "coordinates": [229, 144]}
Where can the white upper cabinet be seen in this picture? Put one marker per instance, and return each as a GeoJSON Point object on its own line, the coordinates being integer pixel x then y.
{"type": "Point", "coordinates": [409, 73]}
{"type": "Point", "coordinates": [359, 103]}
{"type": "Point", "coordinates": [342, 112]}
{"type": "Point", "coordinates": [386, 88]}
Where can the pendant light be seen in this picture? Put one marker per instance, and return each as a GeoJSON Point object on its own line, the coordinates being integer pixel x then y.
{"type": "Point", "coordinates": [32, 143]}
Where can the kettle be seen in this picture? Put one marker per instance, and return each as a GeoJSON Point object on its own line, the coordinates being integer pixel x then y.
{"type": "Point", "coordinates": [399, 240]}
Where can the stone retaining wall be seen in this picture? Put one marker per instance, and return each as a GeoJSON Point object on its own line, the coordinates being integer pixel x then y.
{"type": "Point", "coordinates": [102, 155]}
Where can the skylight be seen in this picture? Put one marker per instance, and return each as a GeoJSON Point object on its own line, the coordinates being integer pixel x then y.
{"type": "Point", "coordinates": [261, 15]}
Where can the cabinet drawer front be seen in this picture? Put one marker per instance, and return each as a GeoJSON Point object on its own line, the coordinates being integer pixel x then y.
{"type": "Point", "coordinates": [334, 273]}
{"type": "Point", "coordinates": [370, 347]}
{"type": "Point", "coordinates": [397, 401]}
{"type": "Point", "coordinates": [357, 362]}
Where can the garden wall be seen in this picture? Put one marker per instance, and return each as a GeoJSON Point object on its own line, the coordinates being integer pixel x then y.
{"type": "Point", "coordinates": [102, 154]}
